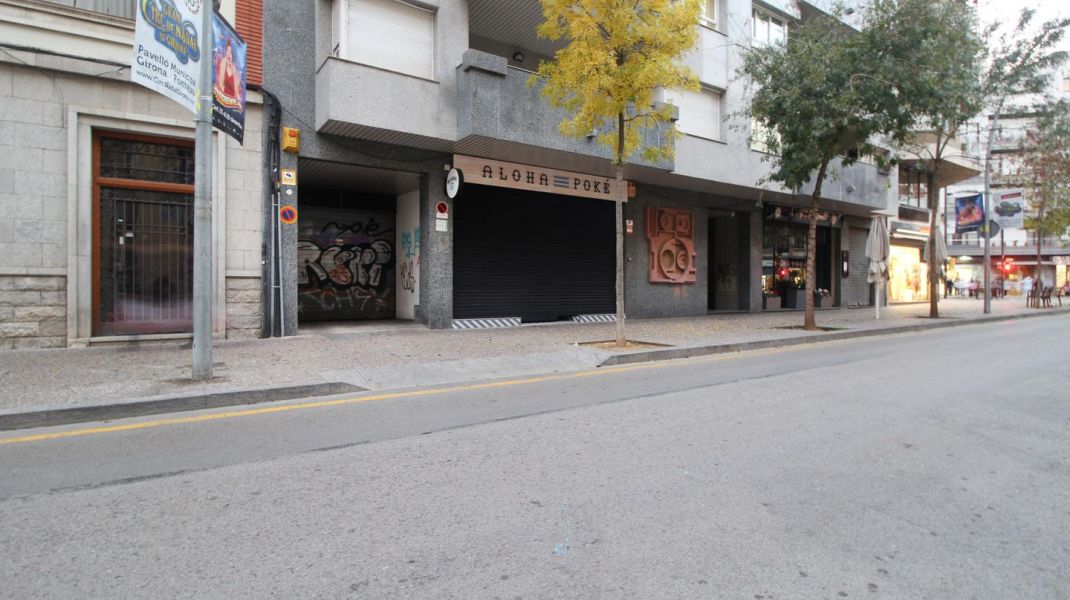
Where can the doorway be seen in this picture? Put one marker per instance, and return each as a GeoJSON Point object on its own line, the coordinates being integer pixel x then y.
{"type": "Point", "coordinates": [143, 234]}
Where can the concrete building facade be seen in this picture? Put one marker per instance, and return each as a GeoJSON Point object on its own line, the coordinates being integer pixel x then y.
{"type": "Point", "coordinates": [389, 95]}
{"type": "Point", "coordinates": [96, 189]}
{"type": "Point", "coordinates": [1015, 247]}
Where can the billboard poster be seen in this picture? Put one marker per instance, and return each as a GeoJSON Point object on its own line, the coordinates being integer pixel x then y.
{"type": "Point", "coordinates": [969, 213]}
{"type": "Point", "coordinates": [228, 79]}
{"type": "Point", "coordinates": [167, 48]}
{"type": "Point", "coordinates": [1008, 208]}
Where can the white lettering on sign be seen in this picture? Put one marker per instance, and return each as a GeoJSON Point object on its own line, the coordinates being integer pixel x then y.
{"type": "Point", "coordinates": [496, 173]}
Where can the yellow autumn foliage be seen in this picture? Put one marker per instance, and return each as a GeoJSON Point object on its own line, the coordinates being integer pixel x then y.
{"type": "Point", "coordinates": [617, 54]}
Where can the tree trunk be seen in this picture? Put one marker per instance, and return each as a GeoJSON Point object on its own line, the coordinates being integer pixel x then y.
{"type": "Point", "coordinates": [619, 210]}
{"type": "Point", "coordinates": [934, 274]}
{"type": "Point", "coordinates": [809, 323]}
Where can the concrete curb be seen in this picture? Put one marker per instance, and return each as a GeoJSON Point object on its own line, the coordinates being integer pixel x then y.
{"type": "Point", "coordinates": [200, 400]}
{"type": "Point", "coordinates": [693, 351]}
{"type": "Point", "coordinates": [169, 404]}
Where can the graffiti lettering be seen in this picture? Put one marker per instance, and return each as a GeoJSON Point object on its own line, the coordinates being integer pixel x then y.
{"type": "Point", "coordinates": [407, 274]}
{"type": "Point", "coordinates": [346, 269]}
{"type": "Point", "coordinates": [371, 227]}
{"type": "Point", "coordinates": [410, 242]}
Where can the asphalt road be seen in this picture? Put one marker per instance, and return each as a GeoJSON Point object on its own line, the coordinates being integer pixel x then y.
{"type": "Point", "coordinates": [931, 465]}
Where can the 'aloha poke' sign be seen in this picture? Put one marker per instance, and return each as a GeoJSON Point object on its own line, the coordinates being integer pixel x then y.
{"type": "Point", "coordinates": [480, 171]}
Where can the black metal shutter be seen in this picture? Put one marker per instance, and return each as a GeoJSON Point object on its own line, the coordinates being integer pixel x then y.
{"type": "Point", "coordinates": [541, 257]}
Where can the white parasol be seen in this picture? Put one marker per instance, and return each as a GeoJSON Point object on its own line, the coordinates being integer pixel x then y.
{"type": "Point", "coordinates": [877, 251]}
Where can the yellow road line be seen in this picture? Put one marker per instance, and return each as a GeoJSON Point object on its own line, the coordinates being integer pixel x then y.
{"type": "Point", "coordinates": [354, 400]}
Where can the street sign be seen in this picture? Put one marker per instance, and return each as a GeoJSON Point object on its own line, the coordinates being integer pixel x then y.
{"type": "Point", "coordinates": [442, 210]}
{"type": "Point", "coordinates": [288, 176]}
{"type": "Point", "coordinates": [1009, 208]}
{"type": "Point", "coordinates": [454, 179]}
{"type": "Point", "coordinates": [993, 229]}
{"type": "Point", "coordinates": [288, 215]}
{"type": "Point", "coordinates": [167, 49]}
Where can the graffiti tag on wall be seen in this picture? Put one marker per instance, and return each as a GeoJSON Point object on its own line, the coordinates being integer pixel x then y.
{"type": "Point", "coordinates": [345, 266]}
{"type": "Point", "coordinates": [408, 271]}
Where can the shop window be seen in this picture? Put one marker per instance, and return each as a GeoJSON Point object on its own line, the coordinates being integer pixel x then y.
{"type": "Point", "coordinates": [389, 34]}
{"type": "Point", "coordinates": [908, 276]}
{"type": "Point", "coordinates": [143, 226]}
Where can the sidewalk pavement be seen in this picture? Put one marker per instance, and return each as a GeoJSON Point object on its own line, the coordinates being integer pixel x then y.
{"type": "Point", "coordinates": [339, 358]}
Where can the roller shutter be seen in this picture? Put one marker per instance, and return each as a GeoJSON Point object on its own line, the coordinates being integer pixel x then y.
{"type": "Point", "coordinates": [537, 256]}
{"type": "Point", "coordinates": [391, 34]}
{"type": "Point", "coordinates": [856, 286]}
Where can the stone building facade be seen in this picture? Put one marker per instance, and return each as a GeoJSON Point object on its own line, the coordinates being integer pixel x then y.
{"type": "Point", "coordinates": [73, 130]}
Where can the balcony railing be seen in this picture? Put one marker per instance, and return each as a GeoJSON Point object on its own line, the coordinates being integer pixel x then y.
{"type": "Point", "coordinates": [496, 103]}
{"type": "Point", "coordinates": [1047, 242]}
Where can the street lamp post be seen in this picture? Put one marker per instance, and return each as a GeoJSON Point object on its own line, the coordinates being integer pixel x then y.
{"type": "Point", "coordinates": [202, 208]}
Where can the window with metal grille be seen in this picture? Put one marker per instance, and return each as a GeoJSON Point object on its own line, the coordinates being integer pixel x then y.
{"type": "Point", "coordinates": [143, 220]}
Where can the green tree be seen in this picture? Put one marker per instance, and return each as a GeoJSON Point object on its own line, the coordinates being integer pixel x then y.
{"type": "Point", "coordinates": [618, 53]}
{"type": "Point", "coordinates": [1046, 174]}
{"type": "Point", "coordinates": [810, 108]}
{"type": "Point", "coordinates": [930, 55]}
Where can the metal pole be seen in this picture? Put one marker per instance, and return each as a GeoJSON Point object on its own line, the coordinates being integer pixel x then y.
{"type": "Point", "coordinates": [984, 225]}
{"type": "Point", "coordinates": [202, 208]}
{"type": "Point", "coordinates": [880, 284]}
{"type": "Point", "coordinates": [988, 250]}
{"type": "Point", "coordinates": [278, 265]}
{"type": "Point", "coordinates": [1002, 262]}
{"type": "Point", "coordinates": [622, 193]}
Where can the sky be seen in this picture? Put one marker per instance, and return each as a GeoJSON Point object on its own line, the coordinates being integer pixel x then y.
{"type": "Point", "coordinates": [1007, 11]}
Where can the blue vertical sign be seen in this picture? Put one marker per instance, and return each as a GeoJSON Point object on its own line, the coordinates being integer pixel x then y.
{"type": "Point", "coordinates": [228, 79]}
{"type": "Point", "coordinates": [969, 213]}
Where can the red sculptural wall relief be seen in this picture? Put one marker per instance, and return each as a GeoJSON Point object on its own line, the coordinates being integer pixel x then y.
{"type": "Point", "coordinates": [671, 232]}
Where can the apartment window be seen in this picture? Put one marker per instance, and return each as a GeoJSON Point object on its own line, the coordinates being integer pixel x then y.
{"type": "Point", "coordinates": [389, 34]}
{"type": "Point", "coordinates": [913, 189]}
{"type": "Point", "coordinates": [759, 133]}
{"type": "Point", "coordinates": [126, 9]}
{"type": "Point", "coordinates": [709, 13]}
{"type": "Point", "coordinates": [768, 29]}
{"type": "Point", "coordinates": [700, 112]}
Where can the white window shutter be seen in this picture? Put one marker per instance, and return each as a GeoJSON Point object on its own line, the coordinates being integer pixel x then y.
{"type": "Point", "coordinates": [391, 35]}
{"type": "Point", "coordinates": [700, 112]}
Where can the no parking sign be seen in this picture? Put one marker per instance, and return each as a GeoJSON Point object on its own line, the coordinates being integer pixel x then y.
{"type": "Point", "coordinates": [288, 215]}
